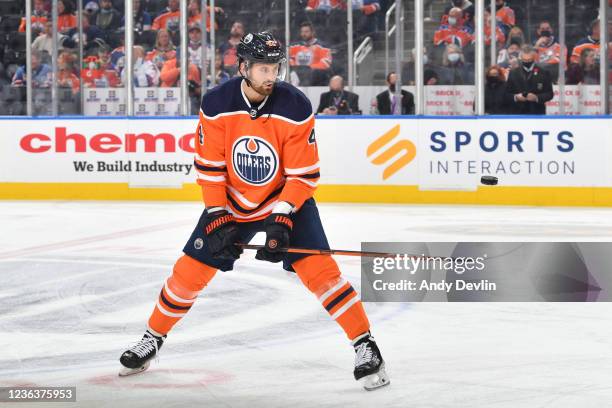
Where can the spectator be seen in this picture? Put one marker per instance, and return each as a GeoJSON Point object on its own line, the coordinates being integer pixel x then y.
{"type": "Point", "coordinates": [44, 42]}
{"type": "Point", "coordinates": [367, 7]}
{"type": "Point", "coordinates": [429, 72]}
{"type": "Point", "coordinates": [146, 73]}
{"type": "Point", "coordinates": [454, 70]}
{"type": "Point", "coordinates": [500, 37]}
{"type": "Point", "coordinates": [515, 36]}
{"type": "Point", "coordinates": [66, 77]}
{"type": "Point", "coordinates": [529, 87]}
{"type": "Point", "coordinates": [337, 101]}
{"type": "Point", "coordinates": [142, 18]}
{"type": "Point", "coordinates": [169, 20]}
{"type": "Point", "coordinates": [387, 102]}
{"type": "Point", "coordinates": [107, 18]}
{"type": "Point", "coordinates": [195, 17]}
{"type": "Point", "coordinates": [586, 71]}
{"type": "Point", "coordinates": [590, 41]}
{"type": "Point", "coordinates": [454, 32]}
{"type": "Point", "coordinates": [171, 72]}
{"type": "Point", "coordinates": [228, 48]}
{"type": "Point", "coordinates": [91, 8]}
{"type": "Point", "coordinates": [91, 33]}
{"type": "Point", "coordinates": [39, 18]}
{"type": "Point", "coordinates": [195, 45]}
{"type": "Point", "coordinates": [313, 59]}
{"type": "Point", "coordinates": [496, 99]}
{"type": "Point", "coordinates": [65, 19]}
{"type": "Point", "coordinates": [221, 74]}
{"type": "Point", "coordinates": [99, 71]}
{"type": "Point", "coordinates": [505, 16]}
{"type": "Point", "coordinates": [508, 57]}
{"type": "Point", "coordinates": [467, 15]}
{"type": "Point", "coordinates": [164, 49]}
{"type": "Point", "coordinates": [549, 50]}
{"type": "Point", "coordinates": [41, 73]}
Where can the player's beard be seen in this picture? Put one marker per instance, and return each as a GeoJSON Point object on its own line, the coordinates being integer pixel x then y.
{"type": "Point", "coordinates": [264, 89]}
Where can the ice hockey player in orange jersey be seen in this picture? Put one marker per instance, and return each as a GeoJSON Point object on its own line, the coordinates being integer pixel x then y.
{"type": "Point", "coordinates": [258, 165]}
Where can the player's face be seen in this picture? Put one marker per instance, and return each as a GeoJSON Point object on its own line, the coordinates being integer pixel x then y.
{"type": "Point", "coordinates": [263, 77]}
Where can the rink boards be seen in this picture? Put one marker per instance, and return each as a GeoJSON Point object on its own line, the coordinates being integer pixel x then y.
{"type": "Point", "coordinates": [543, 161]}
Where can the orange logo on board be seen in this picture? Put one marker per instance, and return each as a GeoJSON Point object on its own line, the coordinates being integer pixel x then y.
{"type": "Point", "coordinates": [404, 146]}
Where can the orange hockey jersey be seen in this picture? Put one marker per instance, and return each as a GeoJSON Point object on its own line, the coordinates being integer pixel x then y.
{"type": "Point", "coordinates": [248, 158]}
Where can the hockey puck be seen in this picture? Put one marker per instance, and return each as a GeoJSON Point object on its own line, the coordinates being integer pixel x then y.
{"type": "Point", "coordinates": [489, 180]}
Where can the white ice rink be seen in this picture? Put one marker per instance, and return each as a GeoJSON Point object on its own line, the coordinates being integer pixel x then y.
{"type": "Point", "coordinates": [79, 280]}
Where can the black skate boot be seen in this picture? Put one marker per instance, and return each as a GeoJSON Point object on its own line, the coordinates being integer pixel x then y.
{"type": "Point", "coordinates": [369, 364]}
{"type": "Point", "coordinates": [138, 358]}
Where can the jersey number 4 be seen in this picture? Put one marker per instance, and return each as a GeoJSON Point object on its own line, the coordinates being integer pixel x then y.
{"type": "Point", "coordinates": [311, 138]}
{"type": "Point", "coordinates": [201, 135]}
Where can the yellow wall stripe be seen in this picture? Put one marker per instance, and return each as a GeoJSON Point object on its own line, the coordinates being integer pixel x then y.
{"type": "Point", "coordinates": [487, 195]}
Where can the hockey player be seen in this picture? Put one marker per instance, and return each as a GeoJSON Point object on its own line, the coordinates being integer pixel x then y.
{"type": "Point", "coordinates": [257, 162]}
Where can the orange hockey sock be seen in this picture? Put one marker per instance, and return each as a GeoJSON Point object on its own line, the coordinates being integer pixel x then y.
{"type": "Point", "coordinates": [320, 274]}
{"type": "Point", "coordinates": [179, 293]}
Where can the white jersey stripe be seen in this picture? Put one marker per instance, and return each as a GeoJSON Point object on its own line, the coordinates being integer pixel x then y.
{"type": "Point", "coordinates": [301, 170]}
{"type": "Point", "coordinates": [175, 297]}
{"type": "Point", "coordinates": [344, 308]}
{"type": "Point", "coordinates": [215, 179]}
{"type": "Point", "coordinates": [331, 290]}
{"type": "Point", "coordinates": [167, 313]}
{"type": "Point", "coordinates": [209, 162]}
{"type": "Point", "coordinates": [309, 183]}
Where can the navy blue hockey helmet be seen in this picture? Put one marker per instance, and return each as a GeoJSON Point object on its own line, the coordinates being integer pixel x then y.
{"type": "Point", "coordinates": [262, 47]}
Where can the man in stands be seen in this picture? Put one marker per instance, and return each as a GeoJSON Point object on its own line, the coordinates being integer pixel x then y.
{"type": "Point", "coordinates": [310, 58]}
{"type": "Point", "coordinates": [229, 56]}
{"type": "Point", "coordinates": [454, 32]}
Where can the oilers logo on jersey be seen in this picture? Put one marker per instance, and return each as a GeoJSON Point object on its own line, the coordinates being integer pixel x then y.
{"type": "Point", "coordinates": [254, 160]}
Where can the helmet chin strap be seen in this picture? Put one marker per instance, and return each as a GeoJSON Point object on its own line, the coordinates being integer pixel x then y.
{"type": "Point", "coordinates": [246, 79]}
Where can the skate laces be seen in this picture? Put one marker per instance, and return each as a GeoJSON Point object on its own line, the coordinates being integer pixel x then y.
{"type": "Point", "coordinates": [363, 354]}
{"type": "Point", "coordinates": [144, 347]}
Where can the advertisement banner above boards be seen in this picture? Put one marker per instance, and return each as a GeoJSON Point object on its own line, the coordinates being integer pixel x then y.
{"type": "Point", "coordinates": [544, 161]}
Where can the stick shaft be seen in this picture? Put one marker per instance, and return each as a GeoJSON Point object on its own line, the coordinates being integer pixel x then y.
{"type": "Point", "coordinates": [325, 251]}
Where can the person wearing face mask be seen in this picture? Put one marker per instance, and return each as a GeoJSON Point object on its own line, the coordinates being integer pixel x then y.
{"type": "Point", "coordinates": [529, 86]}
{"type": "Point", "coordinates": [454, 70]}
{"type": "Point", "coordinates": [429, 70]}
{"type": "Point", "coordinates": [496, 100]}
{"type": "Point", "coordinates": [454, 32]}
{"type": "Point", "coordinates": [467, 9]}
{"type": "Point", "coordinates": [549, 50]}
{"type": "Point", "coordinates": [387, 102]}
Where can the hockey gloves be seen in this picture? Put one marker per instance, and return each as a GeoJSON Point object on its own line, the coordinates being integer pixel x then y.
{"type": "Point", "coordinates": [277, 226]}
{"type": "Point", "coordinates": [222, 232]}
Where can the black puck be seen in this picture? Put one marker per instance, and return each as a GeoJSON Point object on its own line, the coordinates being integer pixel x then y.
{"type": "Point", "coordinates": [489, 180]}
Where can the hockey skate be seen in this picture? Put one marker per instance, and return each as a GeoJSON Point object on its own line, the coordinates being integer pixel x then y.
{"type": "Point", "coordinates": [138, 358]}
{"type": "Point", "coordinates": [369, 364]}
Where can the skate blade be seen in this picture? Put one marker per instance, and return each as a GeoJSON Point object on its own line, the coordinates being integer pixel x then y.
{"type": "Point", "coordinates": [374, 381]}
{"type": "Point", "coordinates": [125, 372]}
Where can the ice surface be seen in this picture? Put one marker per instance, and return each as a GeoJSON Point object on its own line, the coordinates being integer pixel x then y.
{"type": "Point", "coordinates": [79, 281]}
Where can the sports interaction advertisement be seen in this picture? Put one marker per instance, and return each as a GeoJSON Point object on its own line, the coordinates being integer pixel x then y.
{"type": "Point", "coordinates": [431, 155]}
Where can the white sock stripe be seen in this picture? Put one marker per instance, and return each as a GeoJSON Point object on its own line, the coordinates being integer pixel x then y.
{"type": "Point", "coordinates": [345, 307]}
{"type": "Point", "coordinates": [167, 313]}
{"type": "Point", "coordinates": [175, 297]}
{"type": "Point", "coordinates": [331, 291]}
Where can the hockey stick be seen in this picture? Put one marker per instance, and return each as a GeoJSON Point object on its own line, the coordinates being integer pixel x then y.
{"type": "Point", "coordinates": [334, 252]}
